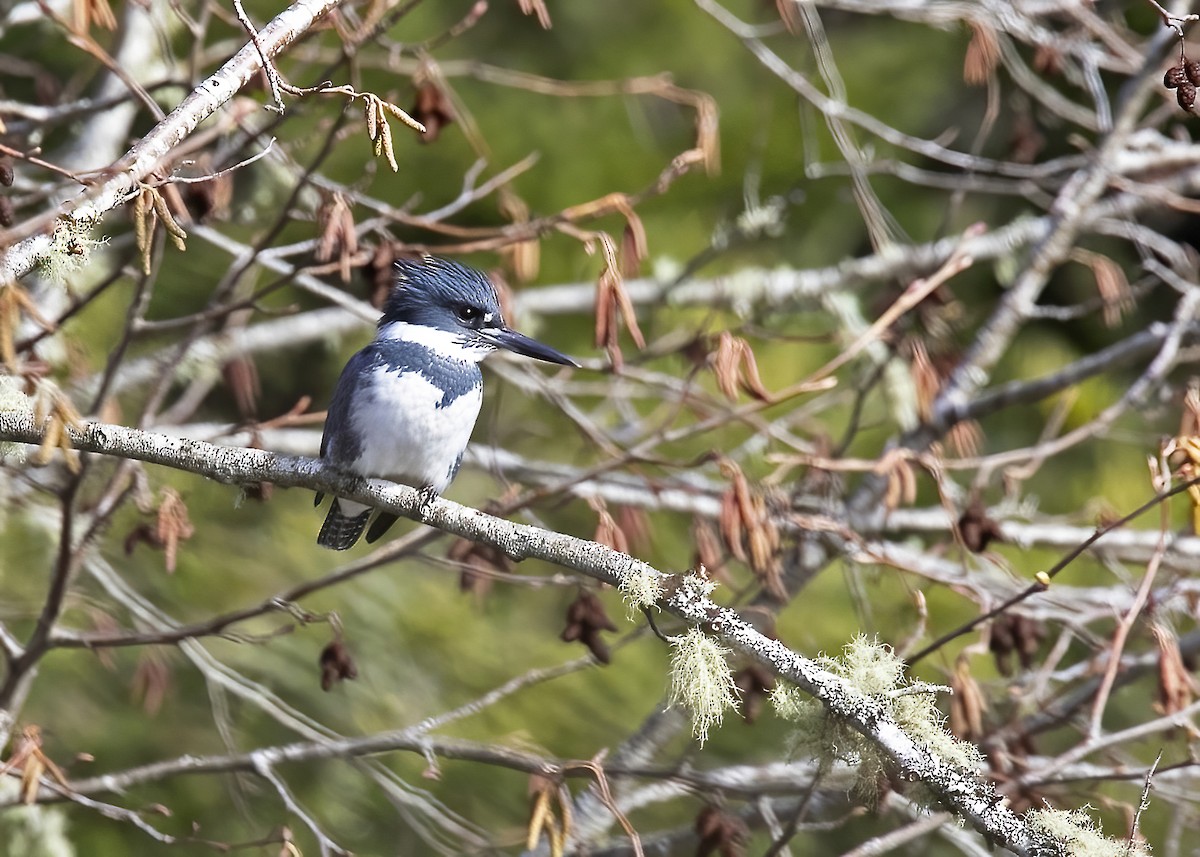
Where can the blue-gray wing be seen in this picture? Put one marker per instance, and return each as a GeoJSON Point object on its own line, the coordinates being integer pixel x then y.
{"type": "Point", "coordinates": [340, 442]}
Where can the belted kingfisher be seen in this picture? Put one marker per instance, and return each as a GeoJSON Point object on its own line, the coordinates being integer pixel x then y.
{"type": "Point", "coordinates": [404, 407]}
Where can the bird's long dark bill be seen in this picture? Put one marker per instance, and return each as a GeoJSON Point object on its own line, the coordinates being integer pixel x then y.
{"type": "Point", "coordinates": [522, 344]}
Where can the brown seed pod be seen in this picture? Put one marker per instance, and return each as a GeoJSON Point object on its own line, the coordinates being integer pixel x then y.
{"type": "Point", "coordinates": [1186, 95]}
{"type": "Point", "coordinates": [433, 109]}
{"type": "Point", "coordinates": [379, 273]}
{"type": "Point", "coordinates": [720, 832]}
{"type": "Point", "coordinates": [586, 618]}
{"type": "Point", "coordinates": [1192, 69]}
{"type": "Point", "coordinates": [977, 529]}
{"type": "Point", "coordinates": [756, 683]}
{"type": "Point", "coordinates": [337, 664]}
{"type": "Point", "coordinates": [1175, 75]}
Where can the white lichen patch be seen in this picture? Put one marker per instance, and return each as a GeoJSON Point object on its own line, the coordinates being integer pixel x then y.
{"type": "Point", "coordinates": [13, 400]}
{"type": "Point", "coordinates": [1082, 836]}
{"type": "Point", "coordinates": [921, 719]}
{"type": "Point", "coordinates": [765, 220]}
{"type": "Point", "coordinates": [666, 269]}
{"type": "Point", "coordinates": [695, 587]}
{"type": "Point", "coordinates": [12, 397]}
{"type": "Point", "coordinates": [701, 680]}
{"type": "Point", "coordinates": [744, 290]}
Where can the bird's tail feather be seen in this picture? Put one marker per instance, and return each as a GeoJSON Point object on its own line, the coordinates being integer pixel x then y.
{"type": "Point", "coordinates": [340, 532]}
{"type": "Point", "coordinates": [382, 524]}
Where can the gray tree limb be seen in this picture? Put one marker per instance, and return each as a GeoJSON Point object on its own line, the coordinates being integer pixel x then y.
{"type": "Point", "coordinates": [682, 595]}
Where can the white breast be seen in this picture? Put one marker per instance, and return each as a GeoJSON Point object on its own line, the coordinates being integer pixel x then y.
{"type": "Point", "coordinates": [406, 436]}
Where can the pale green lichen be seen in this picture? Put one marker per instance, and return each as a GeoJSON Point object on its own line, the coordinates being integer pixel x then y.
{"type": "Point", "coordinates": [701, 680]}
{"type": "Point", "coordinates": [869, 665]}
{"type": "Point", "coordinates": [641, 588]}
{"type": "Point", "coordinates": [810, 724]}
{"type": "Point", "coordinates": [921, 719]}
{"type": "Point", "coordinates": [36, 831]}
{"type": "Point", "coordinates": [70, 250]}
{"type": "Point", "coordinates": [873, 669]}
{"type": "Point", "coordinates": [1081, 835]}
{"type": "Point", "coordinates": [696, 585]}
{"type": "Point", "coordinates": [790, 704]}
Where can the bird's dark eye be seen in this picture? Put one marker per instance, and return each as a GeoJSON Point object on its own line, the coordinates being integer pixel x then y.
{"type": "Point", "coordinates": [468, 313]}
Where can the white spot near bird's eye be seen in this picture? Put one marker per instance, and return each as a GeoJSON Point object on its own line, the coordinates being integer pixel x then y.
{"type": "Point", "coordinates": [443, 342]}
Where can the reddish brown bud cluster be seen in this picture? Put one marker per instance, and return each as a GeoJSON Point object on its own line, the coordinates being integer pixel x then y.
{"type": "Point", "coordinates": [1176, 687]}
{"type": "Point", "coordinates": [206, 200]}
{"type": "Point", "coordinates": [142, 534]}
{"type": "Point", "coordinates": [432, 109]}
{"type": "Point", "coordinates": [480, 565]}
{"type": "Point", "coordinates": [28, 758]}
{"type": "Point", "coordinates": [609, 531]}
{"type": "Point", "coordinates": [261, 492]}
{"type": "Point", "coordinates": [171, 527]}
{"type": "Point", "coordinates": [977, 529]}
{"type": "Point", "coordinates": [337, 240]}
{"type": "Point", "coordinates": [749, 530]}
{"type": "Point", "coordinates": [755, 683]}
{"type": "Point", "coordinates": [1184, 79]}
{"type": "Point", "coordinates": [967, 703]}
{"type": "Point", "coordinates": [720, 833]}
{"type": "Point", "coordinates": [1013, 633]}
{"type": "Point", "coordinates": [380, 273]}
{"type": "Point", "coordinates": [336, 664]}
{"type": "Point", "coordinates": [151, 681]}
{"type": "Point", "coordinates": [586, 618]}
{"type": "Point", "coordinates": [735, 367]}
{"type": "Point", "coordinates": [6, 179]}
{"type": "Point", "coordinates": [240, 375]}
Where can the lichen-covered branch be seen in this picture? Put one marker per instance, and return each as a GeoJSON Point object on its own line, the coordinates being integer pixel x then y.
{"type": "Point", "coordinates": [680, 594]}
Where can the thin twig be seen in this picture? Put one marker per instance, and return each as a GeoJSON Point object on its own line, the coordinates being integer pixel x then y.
{"type": "Point", "coordinates": [268, 68]}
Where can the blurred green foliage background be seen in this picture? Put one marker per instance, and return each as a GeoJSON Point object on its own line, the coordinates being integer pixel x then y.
{"type": "Point", "coordinates": [421, 645]}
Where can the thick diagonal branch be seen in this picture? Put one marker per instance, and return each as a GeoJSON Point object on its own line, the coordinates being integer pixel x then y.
{"type": "Point", "coordinates": [681, 595]}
